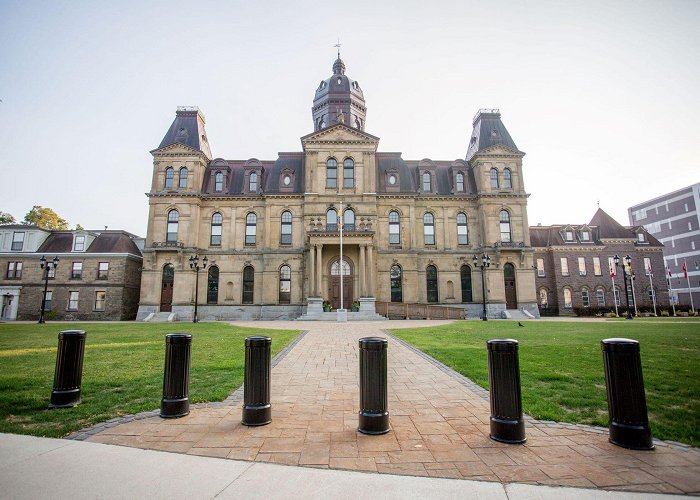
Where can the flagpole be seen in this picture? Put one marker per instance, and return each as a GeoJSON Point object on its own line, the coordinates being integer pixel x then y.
{"type": "Point", "coordinates": [651, 287]}
{"type": "Point", "coordinates": [342, 314]}
{"type": "Point", "coordinates": [612, 278]}
{"type": "Point", "coordinates": [687, 280]}
{"type": "Point", "coordinates": [634, 297]}
{"type": "Point", "coordinates": [670, 289]}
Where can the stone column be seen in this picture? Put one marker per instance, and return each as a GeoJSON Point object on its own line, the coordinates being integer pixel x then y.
{"type": "Point", "coordinates": [363, 272]}
{"type": "Point", "coordinates": [370, 271]}
{"type": "Point", "coordinates": [312, 271]}
{"type": "Point", "coordinates": [319, 269]}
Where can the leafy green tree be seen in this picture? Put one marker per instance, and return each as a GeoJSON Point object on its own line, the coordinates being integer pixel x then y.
{"type": "Point", "coordinates": [6, 218]}
{"type": "Point", "coordinates": [45, 218]}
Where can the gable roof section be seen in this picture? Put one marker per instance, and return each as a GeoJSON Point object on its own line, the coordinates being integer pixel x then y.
{"type": "Point", "coordinates": [609, 228]}
{"type": "Point", "coordinates": [361, 135]}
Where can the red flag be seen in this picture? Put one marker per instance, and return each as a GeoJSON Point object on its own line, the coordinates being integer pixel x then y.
{"type": "Point", "coordinates": [651, 271]}
{"type": "Point", "coordinates": [612, 272]}
{"type": "Point", "coordinates": [685, 269]}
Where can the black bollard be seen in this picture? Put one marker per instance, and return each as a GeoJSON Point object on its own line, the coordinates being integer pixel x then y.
{"type": "Point", "coordinates": [507, 424]}
{"type": "Point", "coordinates": [374, 411]}
{"type": "Point", "coordinates": [627, 404]}
{"type": "Point", "coordinates": [176, 376]}
{"type": "Point", "coordinates": [69, 369]}
{"type": "Point", "coordinates": [257, 409]}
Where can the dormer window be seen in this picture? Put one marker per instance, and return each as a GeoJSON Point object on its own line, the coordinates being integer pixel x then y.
{"type": "Point", "coordinates": [427, 188]}
{"type": "Point", "coordinates": [218, 182]}
{"type": "Point", "coordinates": [459, 182]}
{"type": "Point", "coordinates": [253, 182]}
{"type": "Point", "coordinates": [641, 238]}
{"type": "Point", "coordinates": [569, 235]}
{"type": "Point", "coordinates": [79, 243]}
{"type": "Point", "coordinates": [17, 241]}
{"type": "Point", "coordinates": [585, 236]}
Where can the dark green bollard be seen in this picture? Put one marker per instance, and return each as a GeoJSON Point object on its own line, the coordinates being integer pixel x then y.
{"type": "Point", "coordinates": [507, 424]}
{"type": "Point", "coordinates": [374, 404]}
{"type": "Point", "coordinates": [69, 369]}
{"type": "Point", "coordinates": [176, 376]}
{"type": "Point", "coordinates": [257, 409]}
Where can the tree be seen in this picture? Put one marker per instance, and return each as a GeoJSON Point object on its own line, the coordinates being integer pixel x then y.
{"type": "Point", "coordinates": [79, 227]}
{"type": "Point", "coordinates": [45, 218]}
{"type": "Point", "coordinates": [6, 218]}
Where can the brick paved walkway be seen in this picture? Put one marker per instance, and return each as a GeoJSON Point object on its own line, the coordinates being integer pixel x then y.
{"type": "Point", "coordinates": [439, 426]}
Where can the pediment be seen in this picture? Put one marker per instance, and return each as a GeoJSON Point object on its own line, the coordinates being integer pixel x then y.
{"type": "Point", "coordinates": [499, 150]}
{"type": "Point", "coordinates": [176, 149]}
{"type": "Point", "coordinates": [339, 133]}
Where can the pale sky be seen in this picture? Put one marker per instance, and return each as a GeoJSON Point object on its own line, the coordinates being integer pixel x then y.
{"type": "Point", "coordinates": [602, 96]}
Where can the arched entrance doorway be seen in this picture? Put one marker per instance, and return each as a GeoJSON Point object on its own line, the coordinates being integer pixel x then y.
{"type": "Point", "coordinates": [509, 283]}
{"type": "Point", "coordinates": [166, 291]}
{"type": "Point", "coordinates": [334, 284]}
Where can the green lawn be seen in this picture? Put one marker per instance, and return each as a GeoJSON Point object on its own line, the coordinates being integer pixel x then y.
{"type": "Point", "coordinates": [122, 370]}
{"type": "Point", "coordinates": [561, 366]}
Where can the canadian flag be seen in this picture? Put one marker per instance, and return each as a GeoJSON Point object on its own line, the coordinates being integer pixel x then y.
{"type": "Point", "coordinates": [685, 269]}
{"type": "Point", "coordinates": [651, 271]}
{"type": "Point", "coordinates": [612, 272]}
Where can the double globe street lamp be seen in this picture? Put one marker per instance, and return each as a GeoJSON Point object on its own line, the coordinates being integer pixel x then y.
{"type": "Point", "coordinates": [628, 264]}
{"type": "Point", "coordinates": [485, 262]}
{"type": "Point", "coordinates": [47, 266]}
{"type": "Point", "coordinates": [194, 265]}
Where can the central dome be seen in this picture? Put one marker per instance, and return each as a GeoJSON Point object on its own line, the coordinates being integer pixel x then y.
{"type": "Point", "coordinates": [339, 99]}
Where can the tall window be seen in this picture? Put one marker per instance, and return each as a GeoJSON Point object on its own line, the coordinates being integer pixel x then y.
{"type": "Point", "coordinates": [253, 182]}
{"type": "Point", "coordinates": [426, 182]}
{"type": "Point", "coordinates": [429, 229]}
{"type": "Point", "coordinates": [216, 226]}
{"type": "Point", "coordinates": [286, 228]}
{"type": "Point", "coordinates": [331, 220]}
{"type": "Point", "coordinates": [100, 299]}
{"type": "Point", "coordinates": [250, 228]}
{"type": "Point", "coordinates": [540, 267]}
{"type": "Point", "coordinates": [459, 178]}
{"type": "Point", "coordinates": [17, 241]}
{"type": "Point", "coordinates": [394, 228]}
{"type": "Point", "coordinates": [504, 220]}
{"type": "Point", "coordinates": [585, 297]}
{"type": "Point", "coordinates": [596, 266]}
{"type": "Point", "coordinates": [544, 299]}
{"type": "Point", "coordinates": [331, 173]}
{"type": "Point", "coordinates": [183, 178]}
{"type": "Point", "coordinates": [169, 174]}
{"type": "Point", "coordinates": [173, 219]}
{"type": "Point", "coordinates": [218, 182]}
{"type": "Point", "coordinates": [647, 266]}
{"type": "Point", "coordinates": [564, 266]}
{"type": "Point", "coordinates": [431, 283]}
{"type": "Point", "coordinates": [462, 234]}
{"type": "Point", "coordinates": [616, 291]}
{"type": "Point", "coordinates": [77, 271]}
{"type": "Point", "coordinates": [14, 270]}
{"type": "Point", "coordinates": [507, 183]}
{"type": "Point", "coordinates": [348, 220]}
{"type": "Point", "coordinates": [73, 299]}
{"type": "Point", "coordinates": [494, 178]}
{"type": "Point", "coordinates": [585, 236]}
{"type": "Point", "coordinates": [567, 298]}
{"type": "Point", "coordinates": [213, 285]}
{"type": "Point", "coordinates": [465, 274]}
{"type": "Point", "coordinates": [47, 300]}
{"type": "Point", "coordinates": [600, 296]}
{"type": "Point", "coordinates": [348, 173]}
{"type": "Point", "coordinates": [581, 266]}
{"type": "Point", "coordinates": [396, 277]}
{"type": "Point", "coordinates": [285, 296]}
{"type": "Point", "coordinates": [79, 244]}
{"type": "Point", "coordinates": [102, 270]}
{"type": "Point", "coordinates": [248, 284]}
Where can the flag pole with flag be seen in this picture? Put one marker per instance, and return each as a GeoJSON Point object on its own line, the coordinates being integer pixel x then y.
{"type": "Point", "coordinates": [651, 287]}
{"type": "Point", "coordinates": [671, 298]}
{"type": "Point", "coordinates": [612, 278]}
{"type": "Point", "coordinates": [687, 280]}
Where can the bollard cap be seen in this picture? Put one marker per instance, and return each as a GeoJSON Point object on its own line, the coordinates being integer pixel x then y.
{"type": "Point", "coordinates": [72, 334]}
{"type": "Point", "coordinates": [178, 338]}
{"type": "Point", "coordinates": [373, 343]}
{"type": "Point", "coordinates": [502, 345]}
{"type": "Point", "coordinates": [258, 341]}
{"type": "Point", "coordinates": [619, 345]}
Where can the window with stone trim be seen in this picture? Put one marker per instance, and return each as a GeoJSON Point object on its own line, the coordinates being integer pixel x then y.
{"type": "Point", "coordinates": [544, 298]}
{"type": "Point", "coordinates": [216, 230]}
{"type": "Point", "coordinates": [248, 284]}
{"type": "Point", "coordinates": [428, 229]}
{"type": "Point", "coordinates": [14, 270]}
{"type": "Point", "coordinates": [600, 297]}
{"type": "Point", "coordinates": [331, 173]}
{"type": "Point", "coordinates": [567, 298]}
{"type": "Point", "coordinates": [173, 221]}
{"type": "Point", "coordinates": [182, 181]}
{"type": "Point", "coordinates": [48, 300]}
{"type": "Point", "coordinates": [564, 266]}
{"type": "Point", "coordinates": [349, 220]}
{"type": "Point", "coordinates": [465, 275]}
{"type": "Point", "coordinates": [540, 268]}
{"type": "Point", "coordinates": [253, 182]}
{"type": "Point", "coordinates": [251, 228]}
{"type": "Point", "coordinates": [431, 284]}
{"type": "Point", "coordinates": [102, 270]}
{"type": "Point", "coordinates": [100, 300]}
{"type": "Point", "coordinates": [394, 228]}
{"type": "Point", "coordinates": [76, 271]}
{"type": "Point", "coordinates": [427, 184]}
{"type": "Point", "coordinates": [218, 182]}
{"type": "Point", "coordinates": [585, 297]}
{"type": "Point", "coordinates": [73, 300]}
{"type": "Point", "coordinates": [459, 182]}
{"type": "Point", "coordinates": [169, 175]}
{"type": "Point", "coordinates": [462, 230]}
{"type": "Point", "coordinates": [504, 223]}
{"type": "Point", "coordinates": [597, 271]}
{"type": "Point", "coordinates": [285, 291]}
{"type": "Point", "coordinates": [581, 266]}
{"type": "Point", "coordinates": [507, 180]}
{"type": "Point", "coordinates": [396, 283]}
{"type": "Point", "coordinates": [286, 228]}
{"type": "Point", "coordinates": [494, 178]}
{"type": "Point", "coordinates": [213, 285]}
{"type": "Point", "coordinates": [348, 173]}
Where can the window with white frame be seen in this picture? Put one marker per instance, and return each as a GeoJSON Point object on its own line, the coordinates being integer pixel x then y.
{"type": "Point", "coordinates": [77, 271]}
{"type": "Point", "coordinates": [218, 182]}
{"type": "Point", "coordinates": [17, 241]}
{"type": "Point", "coordinates": [217, 221]}
{"type": "Point", "coordinates": [564, 266]}
{"type": "Point", "coordinates": [14, 270]}
{"type": "Point", "coordinates": [173, 221]}
{"type": "Point", "coordinates": [459, 178]}
{"type": "Point", "coordinates": [286, 228]}
{"type": "Point", "coordinates": [426, 182]}
{"type": "Point", "coordinates": [504, 223]}
{"type": "Point", "coordinates": [582, 266]}
{"type": "Point", "coordinates": [640, 237]}
{"type": "Point", "coordinates": [567, 298]}
{"type": "Point", "coordinates": [47, 300]}
{"type": "Point", "coordinates": [596, 266]}
{"type": "Point", "coordinates": [250, 228]}
{"type": "Point", "coordinates": [102, 270]}
{"type": "Point", "coordinates": [100, 299]}
{"type": "Point", "coordinates": [394, 228]}
{"type": "Point", "coordinates": [73, 298]}
{"type": "Point", "coordinates": [540, 267]}
{"type": "Point", "coordinates": [79, 243]}
{"type": "Point", "coordinates": [253, 182]}
{"type": "Point", "coordinates": [544, 299]}
{"type": "Point", "coordinates": [569, 235]}
{"type": "Point", "coordinates": [428, 229]}
{"type": "Point", "coordinates": [600, 296]}
{"type": "Point", "coordinates": [647, 266]}
{"type": "Point", "coordinates": [585, 297]}
{"type": "Point", "coordinates": [585, 236]}
{"type": "Point", "coordinates": [462, 233]}
{"type": "Point", "coordinates": [616, 291]}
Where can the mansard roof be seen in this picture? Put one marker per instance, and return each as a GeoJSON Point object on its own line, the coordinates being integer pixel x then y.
{"type": "Point", "coordinates": [111, 241]}
{"type": "Point", "coordinates": [410, 172]}
{"type": "Point", "coordinates": [187, 129]}
{"type": "Point", "coordinates": [489, 131]}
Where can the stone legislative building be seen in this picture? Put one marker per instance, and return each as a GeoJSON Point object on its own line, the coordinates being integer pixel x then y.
{"type": "Point", "coordinates": [270, 229]}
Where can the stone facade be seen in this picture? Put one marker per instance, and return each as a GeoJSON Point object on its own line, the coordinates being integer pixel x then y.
{"type": "Point", "coordinates": [572, 267]}
{"type": "Point", "coordinates": [109, 263]}
{"type": "Point", "coordinates": [270, 232]}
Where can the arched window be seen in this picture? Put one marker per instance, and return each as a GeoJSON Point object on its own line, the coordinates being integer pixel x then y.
{"type": "Point", "coordinates": [600, 296]}
{"type": "Point", "coordinates": [213, 285]}
{"type": "Point", "coordinates": [331, 220]}
{"type": "Point", "coordinates": [585, 297]}
{"type": "Point", "coordinates": [348, 173]}
{"type": "Point", "coordinates": [426, 182]}
{"type": "Point", "coordinates": [507, 183]}
{"type": "Point", "coordinates": [286, 230]}
{"type": "Point", "coordinates": [462, 233]}
{"type": "Point", "coordinates": [335, 268]}
{"type": "Point", "coordinates": [544, 300]}
{"type": "Point", "coordinates": [248, 284]}
{"type": "Point", "coordinates": [253, 182]}
{"type": "Point", "coordinates": [250, 228]}
{"type": "Point", "coordinates": [331, 173]}
{"type": "Point", "coordinates": [616, 291]}
{"type": "Point", "coordinates": [396, 278]}
{"type": "Point", "coordinates": [216, 222]}
{"type": "Point", "coordinates": [183, 178]}
{"type": "Point", "coordinates": [494, 178]}
{"type": "Point", "coordinates": [428, 229]}
{"type": "Point", "coordinates": [394, 228]}
{"type": "Point", "coordinates": [459, 178]}
{"type": "Point", "coordinates": [169, 174]}
{"type": "Point", "coordinates": [504, 220]}
{"type": "Point", "coordinates": [285, 295]}
{"type": "Point", "coordinates": [465, 274]}
{"type": "Point", "coordinates": [173, 220]}
{"type": "Point", "coordinates": [567, 298]}
{"type": "Point", "coordinates": [348, 220]}
{"type": "Point", "coordinates": [431, 283]}
{"type": "Point", "coordinates": [218, 182]}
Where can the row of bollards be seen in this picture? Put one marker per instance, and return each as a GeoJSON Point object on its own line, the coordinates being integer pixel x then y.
{"type": "Point", "coordinates": [628, 427]}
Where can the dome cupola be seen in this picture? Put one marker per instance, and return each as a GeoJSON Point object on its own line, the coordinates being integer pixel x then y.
{"type": "Point", "coordinates": [339, 99]}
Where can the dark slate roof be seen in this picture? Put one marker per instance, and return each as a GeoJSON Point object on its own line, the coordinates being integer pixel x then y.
{"type": "Point", "coordinates": [608, 227]}
{"type": "Point", "coordinates": [410, 174]}
{"type": "Point", "coordinates": [105, 242]}
{"type": "Point", "coordinates": [330, 86]}
{"type": "Point", "coordinates": [57, 242]}
{"type": "Point", "coordinates": [539, 236]}
{"type": "Point", "coordinates": [489, 131]}
{"type": "Point", "coordinates": [393, 161]}
{"type": "Point", "coordinates": [291, 162]}
{"type": "Point", "coordinates": [188, 129]}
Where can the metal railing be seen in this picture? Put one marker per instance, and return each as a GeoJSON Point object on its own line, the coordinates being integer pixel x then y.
{"type": "Point", "coordinates": [418, 311]}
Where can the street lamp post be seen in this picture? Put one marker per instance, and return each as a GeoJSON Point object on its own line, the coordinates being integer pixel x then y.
{"type": "Point", "coordinates": [47, 266]}
{"type": "Point", "coordinates": [194, 265]}
{"type": "Point", "coordinates": [485, 262]}
{"type": "Point", "coordinates": [628, 261]}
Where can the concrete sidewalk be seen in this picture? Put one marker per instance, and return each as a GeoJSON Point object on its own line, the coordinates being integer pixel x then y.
{"type": "Point", "coordinates": [32, 467]}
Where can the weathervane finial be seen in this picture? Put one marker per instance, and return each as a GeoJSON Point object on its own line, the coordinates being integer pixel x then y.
{"type": "Point", "coordinates": [337, 45]}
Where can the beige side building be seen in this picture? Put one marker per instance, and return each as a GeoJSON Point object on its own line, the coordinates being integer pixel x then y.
{"type": "Point", "coordinates": [270, 230]}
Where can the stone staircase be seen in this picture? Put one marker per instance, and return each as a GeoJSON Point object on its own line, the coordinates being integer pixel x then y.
{"type": "Point", "coordinates": [516, 314]}
{"type": "Point", "coordinates": [161, 317]}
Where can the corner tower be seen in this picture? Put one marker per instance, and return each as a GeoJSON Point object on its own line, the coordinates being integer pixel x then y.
{"type": "Point", "coordinates": [339, 99]}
